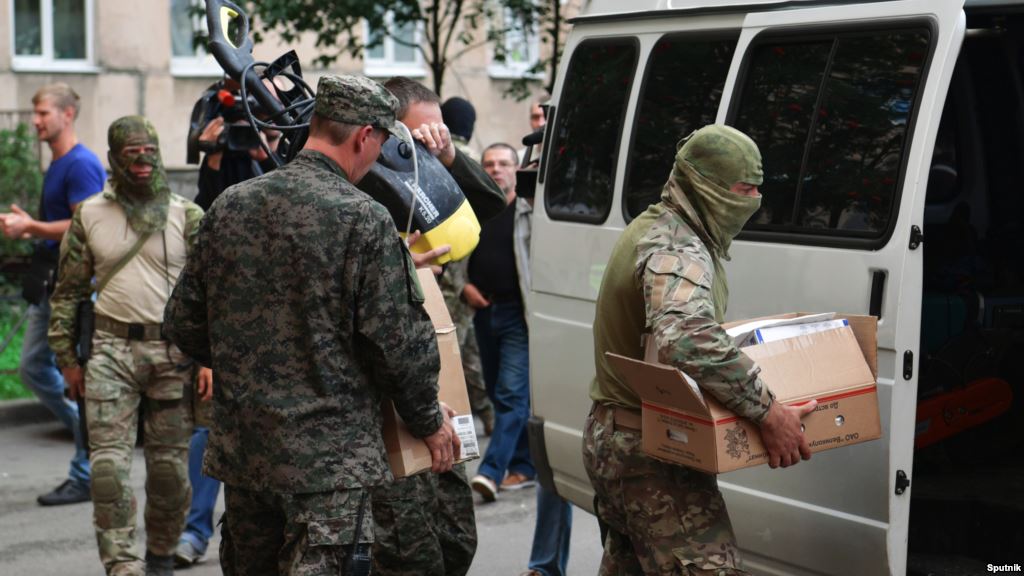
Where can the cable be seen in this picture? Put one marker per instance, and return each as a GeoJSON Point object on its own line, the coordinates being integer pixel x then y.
{"type": "Point", "coordinates": [303, 108]}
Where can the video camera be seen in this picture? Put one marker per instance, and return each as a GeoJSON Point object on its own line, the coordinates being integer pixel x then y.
{"type": "Point", "coordinates": [222, 99]}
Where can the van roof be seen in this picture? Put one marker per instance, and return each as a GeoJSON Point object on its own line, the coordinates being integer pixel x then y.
{"type": "Point", "coordinates": [603, 9]}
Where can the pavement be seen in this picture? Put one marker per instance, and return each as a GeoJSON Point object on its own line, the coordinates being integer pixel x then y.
{"type": "Point", "coordinates": [38, 541]}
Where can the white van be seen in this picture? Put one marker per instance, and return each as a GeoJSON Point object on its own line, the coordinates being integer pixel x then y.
{"type": "Point", "coordinates": [890, 131]}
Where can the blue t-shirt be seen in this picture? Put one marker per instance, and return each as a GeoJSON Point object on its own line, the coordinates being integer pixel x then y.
{"type": "Point", "coordinates": [70, 179]}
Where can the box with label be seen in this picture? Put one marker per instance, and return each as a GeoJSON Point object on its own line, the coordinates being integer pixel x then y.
{"type": "Point", "coordinates": [407, 454]}
{"type": "Point", "coordinates": [838, 367]}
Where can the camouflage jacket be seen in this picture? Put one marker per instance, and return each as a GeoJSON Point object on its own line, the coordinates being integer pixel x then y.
{"type": "Point", "coordinates": [303, 299]}
{"type": "Point", "coordinates": [659, 281]}
{"type": "Point", "coordinates": [98, 237]}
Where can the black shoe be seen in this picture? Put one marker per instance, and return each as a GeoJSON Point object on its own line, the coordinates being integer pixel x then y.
{"type": "Point", "coordinates": [70, 492]}
{"type": "Point", "coordinates": [159, 565]}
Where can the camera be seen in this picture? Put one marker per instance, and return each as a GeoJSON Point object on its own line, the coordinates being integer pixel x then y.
{"type": "Point", "coordinates": [223, 99]}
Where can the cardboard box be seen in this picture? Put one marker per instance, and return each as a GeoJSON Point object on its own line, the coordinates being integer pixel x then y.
{"type": "Point", "coordinates": [407, 454]}
{"type": "Point", "coordinates": [838, 368]}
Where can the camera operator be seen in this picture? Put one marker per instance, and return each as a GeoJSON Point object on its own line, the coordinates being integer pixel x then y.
{"type": "Point", "coordinates": [223, 165]}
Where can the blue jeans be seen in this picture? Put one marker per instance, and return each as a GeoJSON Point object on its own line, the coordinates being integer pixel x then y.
{"type": "Point", "coordinates": [505, 359]}
{"type": "Point", "coordinates": [39, 372]}
{"type": "Point", "coordinates": [550, 552]}
{"type": "Point", "coordinates": [199, 526]}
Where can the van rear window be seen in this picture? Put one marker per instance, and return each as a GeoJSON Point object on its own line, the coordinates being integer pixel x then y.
{"type": "Point", "coordinates": [585, 141]}
{"type": "Point", "coordinates": [832, 116]}
{"type": "Point", "coordinates": [681, 92]}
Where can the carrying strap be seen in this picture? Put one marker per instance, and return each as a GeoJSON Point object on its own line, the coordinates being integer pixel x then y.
{"type": "Point", "coordinates": [123, 261]}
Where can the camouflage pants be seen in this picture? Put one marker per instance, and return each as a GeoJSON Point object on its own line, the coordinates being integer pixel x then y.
{"type": "Point", "coordinates": [479, 401]}
{"type": "Point", "coordinates": [121, 376]}
{"type": "Point", "coordinates": [425, 525]}
{"type": "Point", "coordinates": [268, 533]}
{"type": "Point", "coordinates": [664, 519]}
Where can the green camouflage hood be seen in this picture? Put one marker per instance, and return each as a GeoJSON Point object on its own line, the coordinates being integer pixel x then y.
{"type": "Point", "coordinates": [145, 201]}
{"type": "Point", "coordinates": [708, 162]}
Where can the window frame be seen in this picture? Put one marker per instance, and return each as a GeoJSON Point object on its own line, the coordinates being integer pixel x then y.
{"type": "Point", "coordinates": [386, 67]}
{"type": "Point", "coordinates": [511, 71]}
{"type": "Point", "coordinates": [553, 123]}
{"type": "Point", "coordinates": [46, 62]}
{"type": "Point", "coordinates": [867, 241]}
{"type": "Point", "coordinates": [201, 64]}
{"type": "Point", "coordinates": [691, 37]}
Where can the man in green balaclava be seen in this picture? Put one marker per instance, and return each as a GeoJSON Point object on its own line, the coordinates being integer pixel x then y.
{"type": "Point", "coordinates": [134, 239]}
{"type": "Point", "coordinates": [665, 280]}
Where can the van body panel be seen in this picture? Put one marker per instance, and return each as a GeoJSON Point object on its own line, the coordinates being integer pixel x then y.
{"type": "Point", "coordinates": [848, 487]}
{"type": "Point", "coordinates": [838, 513]}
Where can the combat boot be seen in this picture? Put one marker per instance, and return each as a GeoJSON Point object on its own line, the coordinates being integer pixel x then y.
{"type": "Point", "coordinates": [159, 565]}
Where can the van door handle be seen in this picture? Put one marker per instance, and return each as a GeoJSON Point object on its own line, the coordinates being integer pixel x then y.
{"type": "Point", "coordinates": [877, 293]}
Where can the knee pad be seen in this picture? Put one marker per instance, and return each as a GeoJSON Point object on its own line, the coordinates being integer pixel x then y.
{"type": "Point", "coordinates": [106, 483]}
{"type": "Point", "coordinates": [166, 485]}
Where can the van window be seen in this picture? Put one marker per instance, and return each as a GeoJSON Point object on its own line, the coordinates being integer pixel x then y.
{"type": "Point", "coordinates": [832, 115]}
{"type": "Point", "coordinates": [585, 142]}
{"type": "Point", "coordinates": [681, 91]}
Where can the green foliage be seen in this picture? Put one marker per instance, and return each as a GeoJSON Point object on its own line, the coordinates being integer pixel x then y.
{"type": "Point", "coordinates": [10, 384]}
{"type": "Point", "coordinates": [21, 181]}
{"type": "Point", "coordinates": [550, 20]}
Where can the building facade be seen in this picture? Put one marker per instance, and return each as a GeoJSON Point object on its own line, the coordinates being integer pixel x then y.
{"type": "Point", "coordinates": [136, 57]}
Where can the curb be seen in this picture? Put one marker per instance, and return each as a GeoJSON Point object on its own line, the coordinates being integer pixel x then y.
{"type": "Point", "coordinates": [23, 412]}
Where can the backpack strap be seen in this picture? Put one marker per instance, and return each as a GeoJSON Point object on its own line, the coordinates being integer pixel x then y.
{"type": "Point", "coordinates": [123, 261]}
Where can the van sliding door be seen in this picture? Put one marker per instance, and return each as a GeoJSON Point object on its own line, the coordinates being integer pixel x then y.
{"type": "Point", "coordinates": [844, 102]}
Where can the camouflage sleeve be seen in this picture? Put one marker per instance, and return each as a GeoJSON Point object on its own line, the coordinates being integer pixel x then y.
{"type": "Point", "coordinates": [193, 216]}
{"type": "Point", "coordinates": [681, 317]}
{"type": "Point", "coordinates": [185, 316]}
{"type": "Point", "coordinates": [454, 279]}
{"type": "Point", "coordinates": [74, 285]}
{"type": "Point", "coordinates": [393, 328]}
{"type": "Point", "coordinates": [484, 196]}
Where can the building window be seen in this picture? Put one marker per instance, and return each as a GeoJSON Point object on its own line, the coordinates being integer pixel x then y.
{"type": "Point", "coordinates": [518, 50]}
{"type": "Point", "coordinates": [52, 34]}
{"type": "Point", "coordinates": [187, 59]}
{"type": "Point", "coordinates": [393, 54]}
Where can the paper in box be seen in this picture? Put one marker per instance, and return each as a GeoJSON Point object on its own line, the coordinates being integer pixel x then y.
{"type": "Point", "coordinates": [836, 367]}
{"type": "Point", "coordinates": [407, 454]}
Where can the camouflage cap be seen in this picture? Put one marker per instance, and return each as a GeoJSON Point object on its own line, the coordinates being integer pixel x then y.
{"type": "Point", "coordinates": [723, 155]}
{"type": "Point", "coordinates": [357, 100]}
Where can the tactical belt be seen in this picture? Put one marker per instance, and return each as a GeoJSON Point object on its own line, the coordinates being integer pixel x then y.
{"type": "Point", "coordinates": [624, 418]}
{"type": "Point", "coordinates": [129, 331]}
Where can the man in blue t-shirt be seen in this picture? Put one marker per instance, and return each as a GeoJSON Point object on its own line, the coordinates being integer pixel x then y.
{"type": "Point", "coordinates": [75, 173]}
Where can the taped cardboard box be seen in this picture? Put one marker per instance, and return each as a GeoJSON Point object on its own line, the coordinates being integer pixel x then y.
{"type": "Point", "coordinates": [407, 454]}
{"type": "Point", "coordinates": [838, 368]}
